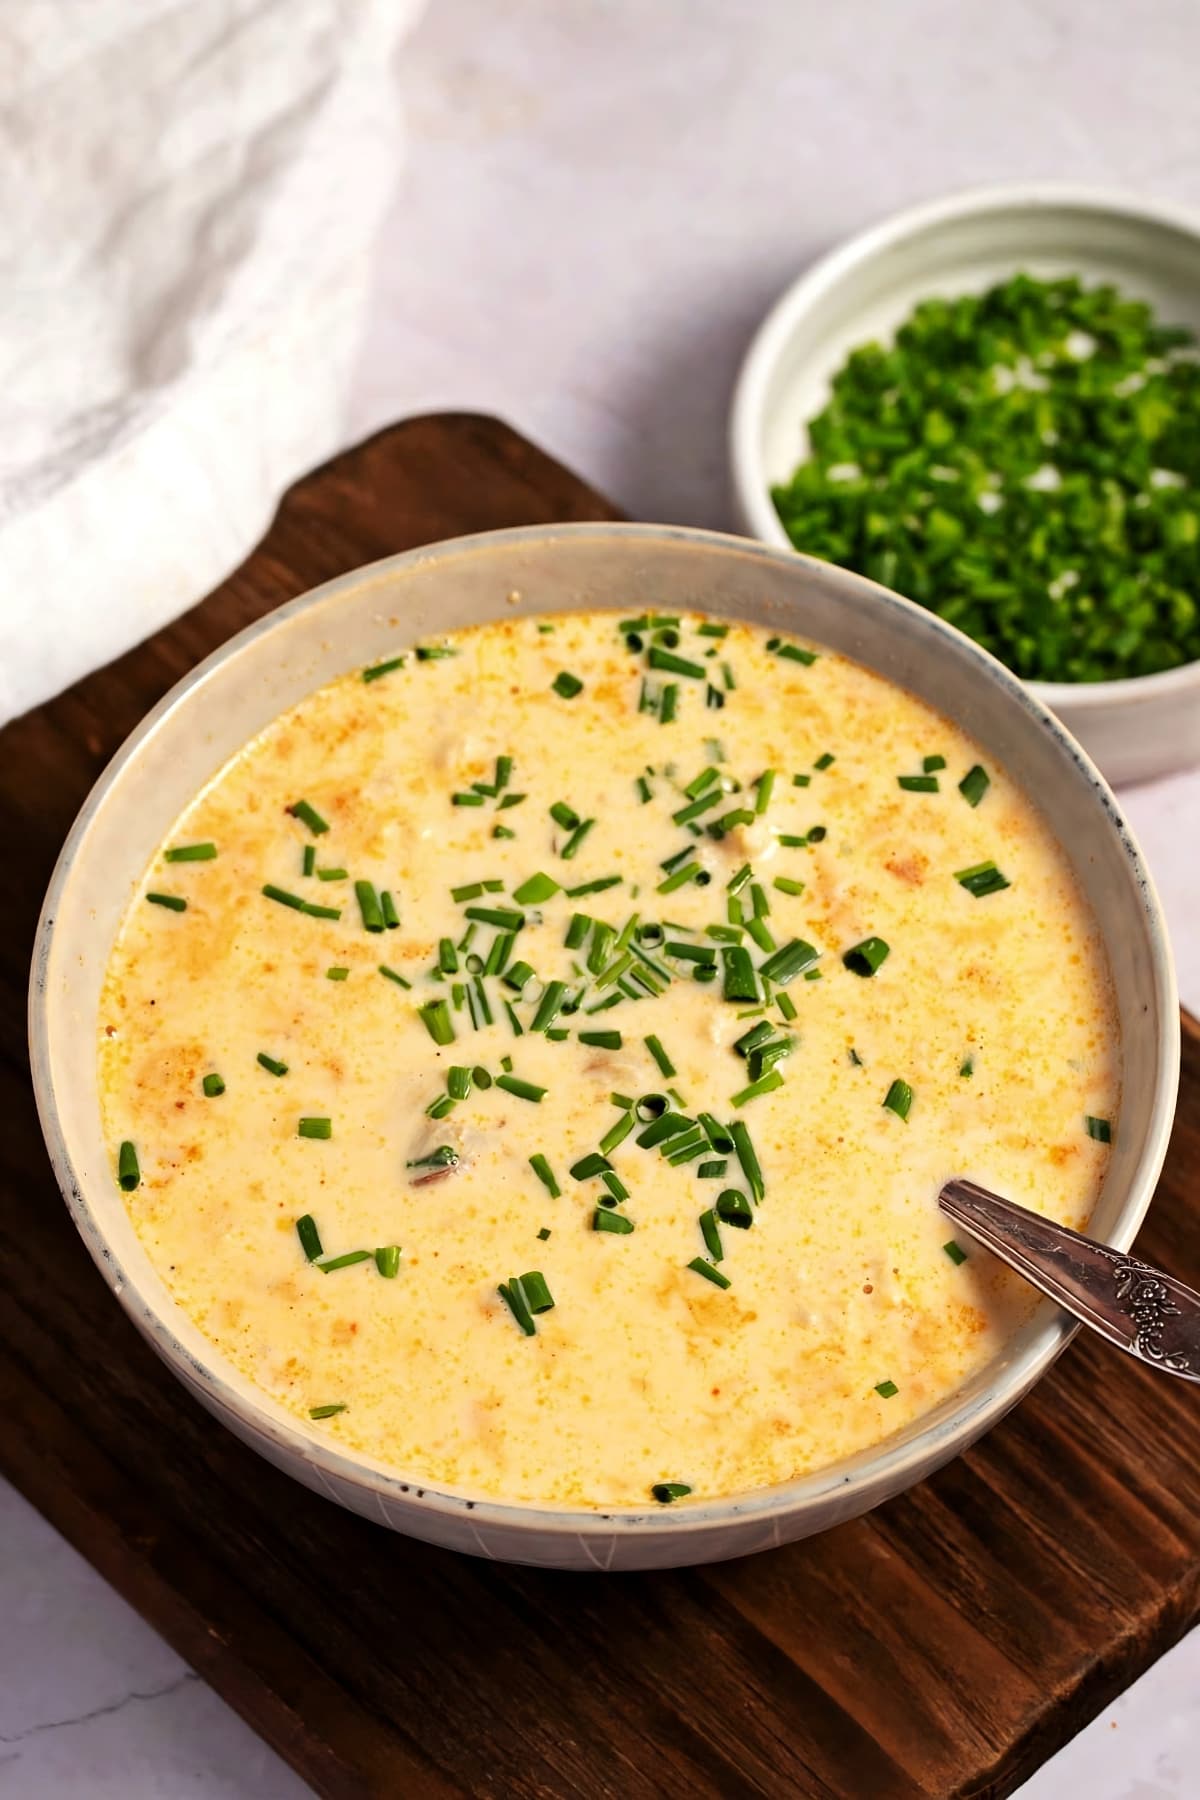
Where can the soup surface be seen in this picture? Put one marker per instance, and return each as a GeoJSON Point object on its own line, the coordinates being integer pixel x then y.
{"type": "Point", "coordinates": [534, 1062]}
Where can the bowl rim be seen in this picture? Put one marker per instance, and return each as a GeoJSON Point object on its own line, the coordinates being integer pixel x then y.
{"type": "Point", "coordinates": [748, 476]}
{"type": "Point", "coordinates": [871, 1475]}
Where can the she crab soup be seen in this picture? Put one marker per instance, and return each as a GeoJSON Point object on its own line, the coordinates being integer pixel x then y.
{"type": "Point", "coordinates": [533, 1060]}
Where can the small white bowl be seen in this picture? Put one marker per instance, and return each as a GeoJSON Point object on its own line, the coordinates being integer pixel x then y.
{"type": "Point", "coordinates": [963, 244]}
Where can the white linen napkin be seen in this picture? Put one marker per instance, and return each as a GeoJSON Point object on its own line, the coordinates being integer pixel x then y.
{"type": "Point", "coordinates": [189, 194]}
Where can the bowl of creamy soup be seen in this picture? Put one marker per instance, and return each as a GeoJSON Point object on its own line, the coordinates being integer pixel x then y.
{"type": "Point", "coordinates": [502, 1023]}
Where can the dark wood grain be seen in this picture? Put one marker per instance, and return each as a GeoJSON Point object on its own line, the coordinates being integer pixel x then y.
{"type": "Point", "coordinates": [943, 1646]}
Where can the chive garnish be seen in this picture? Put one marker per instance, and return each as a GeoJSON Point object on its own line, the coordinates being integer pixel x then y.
{"type": "Point", "coordinates": [545, 1175]}
{"type": "Point", "coordinates": [571, 848]}
{"type": "Point", "coordinates": [650, 1106]}
{"type": "Point", "coordinates": [447, 956]}
{"type": "Point", "coordinates": [577, 932]}
{"type": "Point", "coordinates": [308, 815]}
{"type": "Point", "coordinates": [567, 685]}
{"type": "Point", "coordinates": [549, 1006]}
{"type": "Point", "coordinates": [190, 853]}
{"type": "Point", "coordinates": [471, 890]}
{"type": "Point", "coordinates": [679, 878]}
{"type": "Point", "coordinates": [435, 652]}
{"type": "Point", "coordinates": [617, 1133]}
{"type": "Point", "coordinates": [669, 704]}
{"type": "Point", "coordinates": [391, 917]}
{"type": "Point", "coordinates": [315, 1128]}
{"type": "Point", "coordinates": [278, 894]}
{"type": "Point", "coordinates": [694, 808]}
{"type": "Point", "coordinates": [746, 1156]}
{"type": "Point", "coordinates": [758, 929]}
{"type": "Point", "coordinates": [338, 973]}
{"type": "Point", "coordinates": [598, 886]}
{"type": "Point", "coordinates": [955, 1252]}
{"type": "Point", "coordinates": [708, 629]}
{"type": "Point", "coordinates": [387, 1261]}
{"type": "Point", "coordinates": [510, 800]}
{"type": "Point", "coordinates": [543, 1234]}
{"type": "Point", "coordinates": [711, 1233]}
{"type": "Point", "coordinates": [538, 888]}
{"type": "Point", "coordinates": [709, 1273]}
{"type": "Point", "coordinates": [510, 1292]}
{"type": "Point", "coordinates": [865, 958]}
{"type": "Point", "coordinates": [129, 1175]}
{"type": "Point", "coordinates": [885, 1389]}
{"type": "Point", "coordinates": [898, 1098]}
{"type": "Point", "coordinates": [308, 862]}
{"type": "Point", "coordinates": [524, 1090]}
{"type": "Point", "coordinates": [538, 1297]}
{"type": "Point", "coordinates": [974, 784]}
{"type": "Point", "coordinates": [785, 885]}
{"type": "Point", "coordinates": [784, 966]}
{"type": "Point", "coordinates": [383, 668]}
{"type": "Point", "coordinates": [435, 1016]}
{"type": "Point", "coordinates": [212, 1086]}
{"type": "Point", "coordinates": [335, 1406]}
{"type": "Point", "coordinates": [740, 982]}
{"type": "Point", "coordinates": [786, 1005]}
{"type": "Point", "coordinates": [666, 1491]}
{"type": "Point", "coordinates": [614, 1222]}
{"type": "Point", "coordinates": [440, 1107]}
{"type": "Point", "coordinates": [368, 902]}
{"type": "Point", "coordinates": [712, 1171]}
{"type": "Point", "coordinates": [659, 658]}
{"type": "Point", "coordinates": [601, 1040]}
{"type": "Point", "coordinates": [1100, 1129]}
{"type": "Point", "coordinates": [824, 761]}
{"type": "Point", "coordinates": [792, 652]}
{"type": "Point", "coordinates": [326, 874]}
{"type": "Point", "coordinates": [503, 917]}
{"type": "Point", "coordinates": [642, 788]}
{"type": "Point", "coordinates": [966, 1067]}
{"type": "Point", "coordinates": [665, 1065]}
{"type": "Point", "coordinates": [985, 878]}
{"type": "Point", "coordinates": [270, 1065]}
{"type": "Point", "coordinates": [918, 784]}
{"type": "Point", "coordinates": [393, 976]}
{"type": "Point", "coordinates": [801, 781]}
{"type": "Point", "coordinates": [564, 815]}
{"type": "Point", "coordinates": [462, 798]}
{"type": "Point", "coordinates": [587, 1166]}
{"type": "Point", "coordinates": [518, 975]}
{"type": "Point", "coordinates": [766, 1084]}
{"type": "Point", "coordinates": [176, 902]}
{"type": "Point", "coordinates": [518, 1030]}
{"type": "Point", "coordinates": [310, 1237]}
{"type": "Point", "coordinates": [458, 1083]}
{"type": "Point", "coordinates": [661, 1130]}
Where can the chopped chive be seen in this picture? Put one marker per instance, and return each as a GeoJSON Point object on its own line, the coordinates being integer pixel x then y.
{"type": "Point", "coordinates": [327, 874]}
{"type": "Point", "coordinates": [790, 841]}
{"type": "Point", "coordinates": [577, 932]}
{"type": "Point", "coordinates": [587, 1166]}
{"type": "Point", "coordinates": [549, 1006]}
{"type": "Point", "coordinates": [703, 780]}
{"type": "Point", "coordinates": [697, 953]}
{"type": "Point", "coordinates": [518, 1030]}
{"type": "Point", "coordinates": [710, 1231]}
{"type": "Point", "coordinates": [310, 1237]}
{"type": "Point", "coordinates": [504, 769]}
{"type": "Point", "coordinates": [391, 917]}
{"type": "Point", "coordinates": [931, 764]}
{"type": "Point", "coordinates": [335, 1406]}
{"type": "Point", "coordinates": [738, 880]}
{"type": "Point", "coordinates": [918, 784]}
{"type": "Point", "coordinates": [1100, 1129]}
{"type": "Point", "coordinates": [543, 1234]}
{"type": "Point", "coordinates": [709, 1273]}
{"type": "Point", "coordinates": [387, 1261]}
{"type": "Point", "coordinates": [617, 1133]}
{"type": "Point", "coordinates": [792, 652]}
{"type": "Point", "coordinates": [886, 1389]}
{"type": "Point", "coordinates": [129, 1175]}
{"type": "Point", "coordinates": [346, 1260]}
{"type": "Point", "coordinates": [642, 788]}
{"type": "Point", "coordinates": [746, 1156]}
{"type": "Point", "coordinates": [503, 917]}
{"type": "Point", "coordinates": [564, 815]}
{"type": "Point", "coordinates": [679, 878]}
{"type": "Point", "coordinates": [278, 894]}
{"type": "Point", "coordinates": [538, 888]}
{"type": "Point", "coordinates": [985, 878]}
{"type": "Point", "coordinates": [898, 1098]}
{"type": "Point", "coordinates": [392, 975]}
{"type": "Point", "coordinates": [786, 1005]}
{"type": "Point", "coordinates": [667, 1491]}
{"type": "Point", "coordinates": [190, 853]}
{"type": "Point", "coordinates": [816, 834]}
{"type": "Point", "coordinates": [567, 685]}
{"type": "Point", "coordinates": [650, 1106]}
{"type": "Point", "coordinates": [669, 663]}
{"type": "Point", "coordinates": [734, 1209]}
{"type": "Point", "coordinates": [176, 902]}
{"type": "Point", "coordinates": [857, 1060]}
{"type": "Point", "coordinates": [712, 1171]}
{"type": "Point", "coordinates": [337, 973]}
{"type": "Point", "coordinates": [955, 1252]}
{"type": "Point", "coordinates": [368, 903]}
{"type": "Point", "coordinates": [741, 983]}
{"type": "Point", "coordinates": [464, 799]}
{"type": "Point", "coordinates": [766, 1084]}
{"type": "Point", "coordinates": [716, 1133]}
{"type": "Point", "coordinates": [518, 975]}
{"type": "Point", "coordinates": [435, 652]}
{"type": "Point", "coordinates": [435, 1016]}
{"type": "Point", "coordinates": [524, 1090]}
{"type": "Point", "coordinates": [447, 957]}
{"type": "Point", "coordinates": [538, 1297]}
{"type": "Point", "coordinates": [614, 1222]}
{"type": "Point", "coordinates": [545, 1175]}
{"type": "Point", "coordinates": [712, 631]}
{"type": "Point", "coordinates": [471, 890]}
{"type": "Point", "coordinates": [784, 966]}
{"type": "Point", "coordinates": [458, 1083]}
{"type": "Point", "coordinates": [384, 668]}
{"type": "Point", "coordinates": [801, 781]}
{"type": "Point", "coordinates": [481, 1000]}
{"type": "Point", "coordinates": [270, 1065]}
{"type": "Point", "coordinates": [315, 1128]}
{"type": "Point", "coordinates": [750, 1040]}
{"type": "Point", "coordinates": [741, 815]}
{"type": "Point", "coordinates": [598, 886]}
{"type": "Point", "coordinates": [308, 815]}
{"type": "Point", "coordinates": [974, 784]}
{"type": "Point", "coordinates": [665, 1065]}
{"type": "Point", "coordinates": [865, 958]}
{"type": "Point", "coordinates": [758, 899]}
{"type": "Point", "coordinates": [322, 912]}
{"type": "Point", "coordinates": [308, 862]}
{"type": "Point", "coordinates": [212, 1086]}
{"type": "Point", "coordinates": [825, 761]}
{"type": "Point", "coordinates": [571, 847]}
{"type": "Point", "coordinates": [668, 1125]}
{"type": "Point", "coordinates": [765, 1056]}
{"type": "Point", "coordinates": [498, 955]}
{"type": "Point", "coordinates": [694, 808]}
{"type": "Point", "coordinates": [601, 1040]}
{"type": "Point", "coordinates": [440, 1107]}
{"type": "Point", "coordinates": [786, 885]}
{"type": "Point", "coordinates": [966, 1067]}
{"type": "Point", "coordinates": [669, 704]}
{"type": "Point", "coordinates": [514, 1299]}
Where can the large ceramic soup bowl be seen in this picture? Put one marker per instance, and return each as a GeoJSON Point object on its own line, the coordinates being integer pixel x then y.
{"type": "Point", "coordinates": [370, 616]}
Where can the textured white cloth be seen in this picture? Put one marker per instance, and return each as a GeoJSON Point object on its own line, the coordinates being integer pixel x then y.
{"type": "Point", "coordinates": [189, 195]}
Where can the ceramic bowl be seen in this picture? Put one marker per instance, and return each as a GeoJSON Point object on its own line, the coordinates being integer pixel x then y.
{"type": "Point", "coordinates": [368, 615]}
{"type": "Point", "coordinates": [1133, 729]}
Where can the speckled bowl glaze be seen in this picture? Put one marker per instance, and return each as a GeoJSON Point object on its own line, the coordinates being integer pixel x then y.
{"type": "Point", "coordinates": [369, 614]}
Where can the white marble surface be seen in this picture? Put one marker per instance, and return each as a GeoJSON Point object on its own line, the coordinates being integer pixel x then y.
{"type": "Point", "coordinates": [597, 203]}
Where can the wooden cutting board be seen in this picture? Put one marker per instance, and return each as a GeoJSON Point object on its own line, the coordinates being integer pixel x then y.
{"type": "Point", "coordinates": [945, 1645]}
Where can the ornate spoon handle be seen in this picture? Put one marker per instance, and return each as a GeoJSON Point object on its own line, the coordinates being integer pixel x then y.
{"type": "Point", "coordinates": [1135, 1306]}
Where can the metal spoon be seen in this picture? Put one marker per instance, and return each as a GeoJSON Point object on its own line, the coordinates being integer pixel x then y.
{"type": "Point", "coordinates": [1135, 1306]}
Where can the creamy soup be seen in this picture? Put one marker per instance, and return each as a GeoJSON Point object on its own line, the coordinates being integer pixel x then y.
{"type": "Point", "coordinates": [533, 1061]}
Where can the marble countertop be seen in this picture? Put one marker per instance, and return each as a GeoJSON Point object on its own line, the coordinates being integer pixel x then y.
{"type": "Point", "coordinates": [594, 205]}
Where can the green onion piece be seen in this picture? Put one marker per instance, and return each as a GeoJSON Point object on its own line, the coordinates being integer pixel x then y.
{"type": "Point", "coordinates": [447, 957]}
{"type": "Point", "coordinates": [368, 903]}
{"type": "Point", "coordinates": [665, 1065]}
{"type": "Point", "coordinates": [435, 1016]}
{"type": "Point", "coordinates": [740, 981]}
{"type": "Point", "coordinates": [658, 658]}
{"type": "Point", "coordinates": [733, 1208]}
{"type": "Point", "coordinates": [703, 780]}
{"type": "Point", "coordinates": [212, 1086]}
{"type": "Point", "coordinates": [789, 962]}
{"type": "Point", "coordinates": [462, 798]}
{"type": "Point", "coordinates": [601, 1040]}
{"type": "Point", "coordinates": [617, 1133]}
{"type": "Point", "coordinates": [931, 764]}
{"type": "Point", "coordinates": [712, 1171]}
{"type": "Point", "coordinates": [679, 878]}
{"type": "Point", "coordinates": [974, 784]}
{"type": "Point", "coordinates": [750, 1040]}
{"type": "Point", "coordinates": [190, 853]}
{"type": "Point", "coordinates": [543, 1234]}
{"type": "Point", "coordinates": [786, 885]}
{"type": "Point", "coordinates": [746, 1156]}
{"type": "Point", "coordinates": [614, 1222]}
{"type": "Point", "coordinates": [518, 975]}
{"type": "Point", "coordinates": [327, 874]}
{"type": "Point", "coordinates": [886, 1389]}
{"type": "Point", "coordinates": [741, 815]}
{"type": "Point", "coordinates": [577, 931]}
{"type": "Point", "coordinates": [1100, 1129]}
{"type": "Point", "coordinates": [435, 652]}
{"type": "Point", "coordinates": [510, 800]}
{"type": "Point", "coordinates": [481, 1078]}
{"type": "Point", "coordinates": [129, 1175]}
{"type": "Point", "coordinates": [816, 834]}
{"type": "Point", "coordinates": [458, 1083]}
{"type": "Point", "coordinates": [764, 785]}
{"type": "Point", "coordinates": [571, 848]}
{"type": "Point", "coordinates": [898, 1099]}
{"type": "Point", "coordinates": [391, 917]}
{"type": "Point", "coordinates": [503, 917]}
{"type": "Point", "coordinates": [601, 883]}
{"type": "Point", "coordinates": [642, 789]}
{"type": "Point", "coordinates": [510, 1292]}
{"type": "Point", "coordinates": [308, 861]}
{"type": "Point", "coordinates": [786, 1005]}
{"type": "Point", "coordinates": [791, 842]}
{"type": "Point", "coordinates": [918, 784]}
{"type": "Point", "coordinates": [545, 1175]}
{"type": "Point", "coordinates": [310, 1237]}
{"type": "Point", "coordinates": [759, 901]}
{"type": "Point", "coordinates": [737, 881]}
{"type": "Point", "coordinates": [387, 1261]}
{"type": "Point", "coordinates": [792, 652]}
{"type": "Point", "coordinates": [499, 953]}
{"type": "Point", "coordinates": [587, 1166]}
{"type": "Point", "coordinates": [697, 953]}
{"type": "Point", "coordinates": [518, 1030]}
{"type": "Point", "coordinates": [666, 1491]}
{"type": "Point", "coordinates": [384, 668]}
{"type": "Point", "coordinates": [393, 976]}
{"type": "Point", "coordinates": [765, 1056]}
{"type": "Point", "coordinates": [315, 1128]}
{"type": "Point", "coordinates": [801, 781]}
{"type": "Point", "coordinates": [716, 1133]}
{"type": "Point", "coordinates": [760, 931]}
{"type": "Point", "coordinates": [709, 1273]}
{"type": "Point", "coordinates": [650, 1106]}
{"type": "Point", "coordinates": [564, 815]}
{"type": "Point", "coordinates": [538, 888]}
{"type": "Point", "coordinates": [481, 1000]}
{"type": "Point", "coordinates": [335, 1406]}
{"type": "Point", "coordinates": [567, 685]}
{"type": "Point", "coordinates": [856, 1059]}
{"type": "Point", "coordinates": [661, 1130]}
{"type": "Point", "coordinates": [865, 958]}
{"type": "Point", "coordinates": [765, 1085]}
{"type": "Point", "coordinates": [710, 1231]}
{"type": "Point", "coordinates": [549, 1006]}
{"type": "Point", "coordinates": [955, 1252]}
{"type": "Point", "coordinates": [471, 890]}
{"type": "Point", "coordinates": [321, 912]}
{"type": "Point", "coordinates": [985, 878]}
{"type": "Point", "coordinates": [308, 815]}
{"type": "Point", "coordinates": [524, 1090]}
{"type": "Point", "coordinates": [440, 1107]}
{"type": "Point", "coordinates": [694, 808]}
{"type": "Point", "coordinates": [338, 973]}
{"type": "Point", "coordinates": [669, 705]}
{"type": "Point", "coordinates": [176, 902]}
{"type": "Point", "coordinates": [270, 1065]}
{"type": "Point", "coordinates": [966, 1067]}
{"type": "Point", "coordinates": [538, 1297]}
